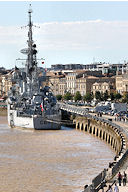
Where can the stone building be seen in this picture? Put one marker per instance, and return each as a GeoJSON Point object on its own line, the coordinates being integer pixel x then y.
{"type": "Point", "coordinates": [71, 82]}
{"type": "Point", "coordinates": [81, 80]}
{"type": "Point", "coordinates": [84, 84]}
{"type": "Point", "coordinates": [62, 86]}
{"type": "Point", "coordinates": [5, 84]}
{"type": "Point", "coordinates": [104, 84]}
{"type": "Point", "coordinates": [101, 87]}
{"type": "Point", "coordinates": [57, 83]}
{"type": "Point", "coordinates": [122, 83]}
{"type": "Point", "coordinates": [1, 87]}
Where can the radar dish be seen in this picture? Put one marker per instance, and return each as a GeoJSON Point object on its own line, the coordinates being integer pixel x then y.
{"type": "Point", "coordinates": [25, 51]}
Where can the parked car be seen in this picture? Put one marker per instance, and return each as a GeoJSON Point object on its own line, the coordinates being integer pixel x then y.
{"type": "Point", "coordinates": [92, 110]}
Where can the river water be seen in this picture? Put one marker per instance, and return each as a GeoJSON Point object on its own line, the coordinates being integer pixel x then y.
{"type": "Point", "coordinates": [49, 161]}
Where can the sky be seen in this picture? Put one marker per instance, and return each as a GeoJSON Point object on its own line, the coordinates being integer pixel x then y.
{"type": "Point", "coordinates": [70, 31]}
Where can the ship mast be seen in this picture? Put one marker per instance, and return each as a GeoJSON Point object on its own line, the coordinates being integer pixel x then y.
{"type": "Point", "coordinates": [30, 41]}
{"type": "Point", "coordinates": [31, 63]}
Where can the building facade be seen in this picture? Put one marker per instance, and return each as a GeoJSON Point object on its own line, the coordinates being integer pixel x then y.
{"type": "Point", "coordinates": [122, 83]}
{"type": "Point", "coordinates": [101, 87]}
{"type": "Point", "coordinates": [104, 84]}
{"type": "Point", "coordinates": [62, 86]}
{"type": "Point", "coordinates": [71, 82]}
{"type": "Point", "coordinates": [5, 84]}
{"type": "Point", "coordinates": [57, 83]}
{"type": "Point", "coordinates": [84, 84]}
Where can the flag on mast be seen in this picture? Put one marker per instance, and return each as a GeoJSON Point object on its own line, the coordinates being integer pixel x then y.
{"type": "Point", "coordinates": [41, 106]}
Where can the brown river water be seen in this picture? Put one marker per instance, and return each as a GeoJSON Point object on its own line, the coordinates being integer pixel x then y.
{"type": "Point", "coordinates": [49, 161]}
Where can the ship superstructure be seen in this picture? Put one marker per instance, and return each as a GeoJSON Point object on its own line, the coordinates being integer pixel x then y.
{"type": "Point", "coordinates": [30, 106]}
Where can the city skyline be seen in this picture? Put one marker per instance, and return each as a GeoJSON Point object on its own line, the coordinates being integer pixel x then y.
{"type": "Point", "coordinates": [70, 32]}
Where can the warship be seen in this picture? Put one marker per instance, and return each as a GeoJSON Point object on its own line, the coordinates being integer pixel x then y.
{"type": "Point", "coordinates": [29, 105]}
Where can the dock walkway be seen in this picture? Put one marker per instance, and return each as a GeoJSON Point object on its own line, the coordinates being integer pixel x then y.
{"type": "Point", "coordinates": [124, 125]}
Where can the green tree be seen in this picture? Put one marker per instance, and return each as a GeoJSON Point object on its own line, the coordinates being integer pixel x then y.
{"type": "Point", "coordinates": [58, 97]}
{"type": "Point", "coordinates": [117, 96]}
{"type": "Point", "coordinates": [105, 95]}
{"type": "Point", "coordinates": [98, 95]}
{"type": "Point", "coordinates": [77, 96]}
{"type": "Point", "coordinates": [68, 96]}
{"type": "Point", "coordinates": [88, 97]}
{"type": "Point", "coordinates": [125, 98]}
{"type": "Point", "coordinates": [112, 97]}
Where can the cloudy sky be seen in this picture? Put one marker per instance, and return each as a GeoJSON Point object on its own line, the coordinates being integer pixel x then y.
{"type": "Point", "coordinates": [70, 32]}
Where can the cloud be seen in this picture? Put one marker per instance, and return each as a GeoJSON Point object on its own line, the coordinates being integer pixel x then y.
{"type": "Point", "coordinates": [70, 35]}
{"type": "Point", "coordinates": [83, 35]}
{"type": "Point", "coordinates": [86, 36]}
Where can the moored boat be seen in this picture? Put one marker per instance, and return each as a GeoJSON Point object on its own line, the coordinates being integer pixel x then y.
{"type": "Point", "coordinates": [30, 105]}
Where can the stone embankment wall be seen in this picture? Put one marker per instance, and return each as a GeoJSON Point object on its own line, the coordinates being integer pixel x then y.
{"type": "Point", "coordinates": [112, 135]}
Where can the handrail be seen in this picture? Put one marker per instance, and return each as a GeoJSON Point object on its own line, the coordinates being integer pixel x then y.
{"type": "Point", "coordinates": [111, 185]}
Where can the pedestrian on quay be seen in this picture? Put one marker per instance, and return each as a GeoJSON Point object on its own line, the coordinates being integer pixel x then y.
{"type": "Point", "coordinates": [124, 179]}
{"type": "Point", "coordinates": [110, 189]}
{"type": "Point", "coordinates": [119, 178]}
{"type": "Point", "coordinates": [116, 189]}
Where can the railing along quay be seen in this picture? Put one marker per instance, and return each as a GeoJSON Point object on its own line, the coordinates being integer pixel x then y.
{"type": "Point", "coordinates": [84, 112]}
{"type": "Point", "coordinates": [100, 180]}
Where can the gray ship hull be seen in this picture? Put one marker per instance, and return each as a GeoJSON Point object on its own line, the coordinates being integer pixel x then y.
{"type": "Point", "coordinates": [32, 122]}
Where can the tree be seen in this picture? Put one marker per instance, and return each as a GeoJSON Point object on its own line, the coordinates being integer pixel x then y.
{"type": "Point", "coordinates": [77, 96]}
{"type": "Point", "coordinates": [112, 97]}
{"type": "Point", "coordinates": [68, 96]}
{"type": "Point", "coordinates": [88, 97]}
{"type": "Point", "coordinates": [117, 96]}
{"type": "Point", "coordinates": [58, 97]}
{"type": "Point", "coordinates": [125, 98]}
{"type": "Point", "coordinates": [105, 95]}
{"type": "Point", "coordinates": [98, 96]}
